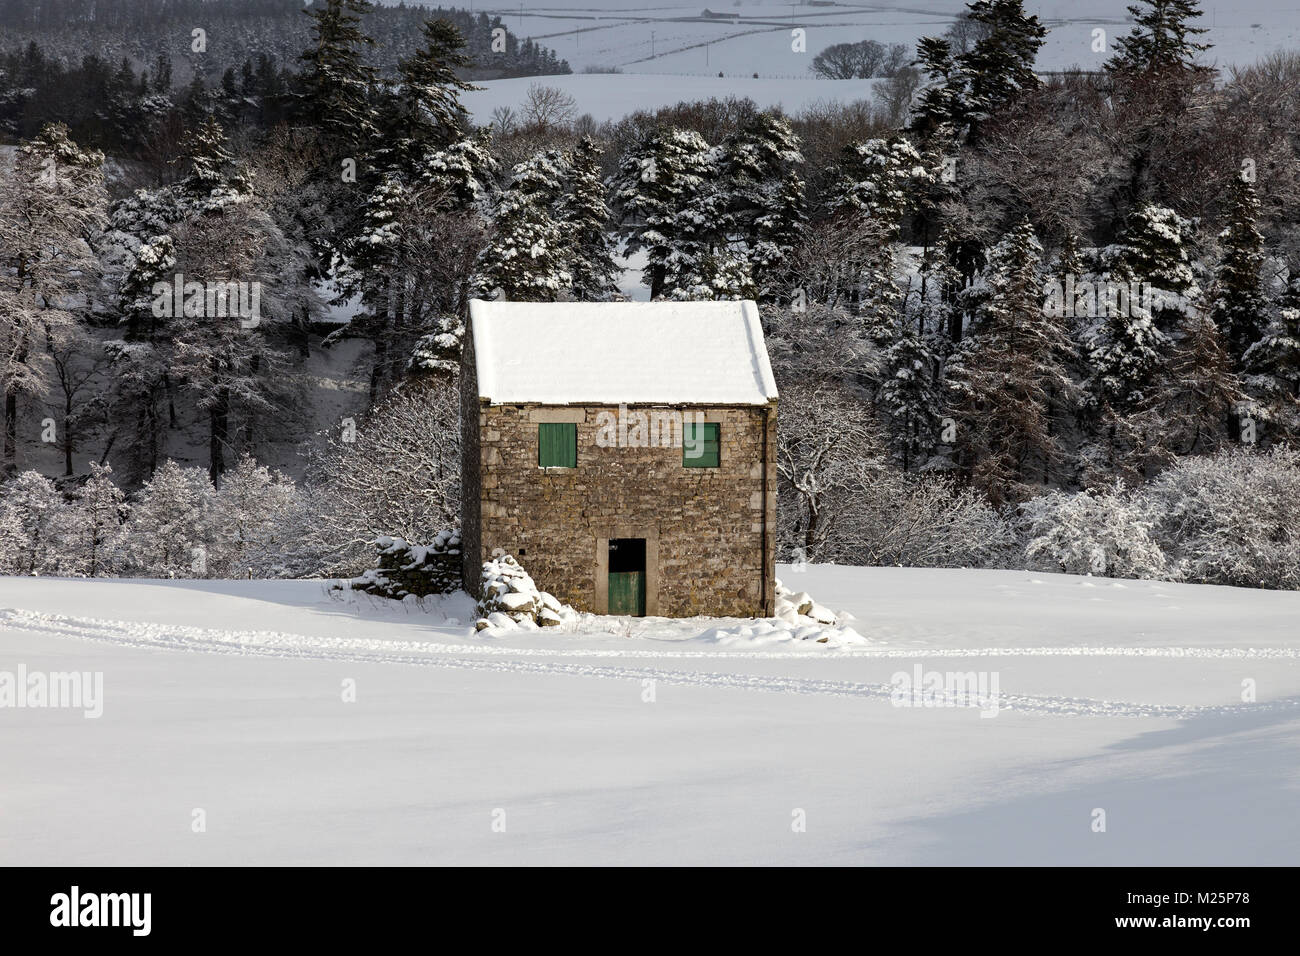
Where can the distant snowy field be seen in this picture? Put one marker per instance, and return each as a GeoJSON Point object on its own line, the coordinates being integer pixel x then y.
{"type": "Point", "coordinates": [1124, 696]}
{"type": "Point", "coordinates": [672, 38]}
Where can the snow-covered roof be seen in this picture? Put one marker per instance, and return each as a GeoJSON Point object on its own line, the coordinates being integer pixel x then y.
{"type": "Point", "coordinates": [665, 353]}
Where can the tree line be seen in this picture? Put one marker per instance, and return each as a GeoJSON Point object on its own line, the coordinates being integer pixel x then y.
{"type": "Point", "coordinates": [126, 76]}
{"type": "Point", "coordinates": [1010, 289]}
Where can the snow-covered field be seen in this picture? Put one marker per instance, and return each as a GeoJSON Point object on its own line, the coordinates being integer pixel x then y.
{"type": "Point", "coordinates": [675, 37]}
{"type": "Point", "coordinates": [669, 51]}
{"type": "Point", "coordinates": [653, 742]}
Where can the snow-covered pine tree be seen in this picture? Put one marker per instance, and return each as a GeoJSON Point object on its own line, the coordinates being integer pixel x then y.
{"type": "Point", "coordinates": [951, 254]}
{"type": "Point", "coordinates": [934, 196]}
{"type": "Point", "coordinates": [1009, 379]}
{"type": "Point", "coordinates": [154, 262]}
{"type": "Point", "coordinates": [1159, 97]}
{"type": "Point", "coordinates": [1153, 282]}
{"type": "Point", "coordinates": [139, 251]}
{"type": "Point", "coordinates": [667, 173]}
{"type": "Point", "coordinates": [1274, 363]}
{"type": "Point", "coordinates": [965, 256]}
{"type": "Point", "coordinates": [447, 230]}
{"type": "Point", "coordinates": [764, 196]}
{"type": "Point", "coordinates": [122, 95]}
{"type": "Point", "coordinates": [52, 200]}
{"type": "Point", "coordinates": [705, 262]}
{"type": "Point", "coordinates": [415, 257]}
{"type": "Point", "coordinates": [1156, 253]}
{"type": "Point", "coordinates": [437, 353]}
{"type": "Point", "coordinates": [197, 102]}
{"type": "Point", "coordinates": [225, 341]}
{"type": "Point", "coordinates": [1125, 355]}
{"type": "Point", "coordinates": [141, 359]}
{"type": "Point", "coordinates": [415, 253]}
{"type": "Point", "coordinates": [673, 201]}
{"type": "Point", "coordinates": [462, 173]}
{"type": "Point", "coordinates": [584, 221]}
{"type": "Point", "coordinates": [1278, 352]}
{"type": "Point", "coordinates": [1069, 260]}
{"type": "Point", "coordinates": [215, 178]}
{"type": "Point", "coordinates": [930, 305]}
{"type": "Point", "coordinates": [1000, 65]}
{"type": "Point", "coordinates": [942, 103]}
{"type": "Point", "coordinates": [1238, 306]}
{"type": "Point", "coordinates": [337, 84]}
{"type": "Point", "coordinates": [343, 103]}
{"type": "Point", "coordinates": [430, 89]}
{"type": "Point", "coordinates": [881, 303]}
{"type": "Point", "coordinates": [909, 397]}
{"type": "Point", "coordinates": [228, 103]}
{"type": "Point", "coordinates": [1192, 406]}
{"type": "Point", "coordinates": [1069, 271]}
{"type": "Point", "coordinates": [880, 179]}
{"type": "Point", "coordinates": [374, 264]}
{"type": "Point", "coordinates": [1068, 274]}
{"type": "Point", "coordinates": [526, 255]}
{"type": "Point", "coordinates": [1162, 39]}
{"type": "Point", "coordinates": [145, 212]}
{"type": "Point", "coordinates": [709, 270]}
{"type": "Point", "coordinates": [381, 216]}
{"type": "Point", "coordinates": [937, 311]}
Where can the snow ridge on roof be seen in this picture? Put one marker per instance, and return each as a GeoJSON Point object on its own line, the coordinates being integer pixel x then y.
{"type": "Point", "coordinates": [665, 353]}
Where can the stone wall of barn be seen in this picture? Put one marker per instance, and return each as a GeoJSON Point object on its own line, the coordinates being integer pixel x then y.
{"type": "Point", "coordinates": [710, 532]}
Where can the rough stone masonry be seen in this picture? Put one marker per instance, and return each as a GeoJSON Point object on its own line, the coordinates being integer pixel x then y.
{"type": "Point", "coordinates": [709, 531]}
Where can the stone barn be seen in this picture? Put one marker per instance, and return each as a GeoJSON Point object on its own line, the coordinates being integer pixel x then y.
{"type": "Point", "coordinates": [624, 452]}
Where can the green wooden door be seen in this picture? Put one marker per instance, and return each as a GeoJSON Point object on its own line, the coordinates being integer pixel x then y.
{"type": "Point", "coordinates": [627, 593]}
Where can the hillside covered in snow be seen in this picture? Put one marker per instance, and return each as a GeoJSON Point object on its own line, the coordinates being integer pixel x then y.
{"type": "Point", "coordinates": [743, 37]}
{"type": "Point", "coordinates": [318, 729]}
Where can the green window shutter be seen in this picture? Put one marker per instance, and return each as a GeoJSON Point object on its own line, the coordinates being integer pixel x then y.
{"type": "Point", "coordinates": [702, 448]}
{"type": "Point", "coordinates": [557, 445]}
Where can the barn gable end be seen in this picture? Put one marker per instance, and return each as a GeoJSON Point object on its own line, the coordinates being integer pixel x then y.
{"type": "Point", "coordinates": [624, 452]}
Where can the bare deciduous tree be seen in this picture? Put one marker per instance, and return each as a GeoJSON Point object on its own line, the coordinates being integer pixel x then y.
{"type": "Point", "coordinates": [860, 60]}
{"type": "Point", "coordinates": [52, 202]}
{"type": "Point", "coordinates": [548, 107]}
{"type": "Point", "coordinates": [827, 436]}
{"type": "Point", "coordinates": [396, 472]}
{"type": "Point", "coordinates": [895, 94]}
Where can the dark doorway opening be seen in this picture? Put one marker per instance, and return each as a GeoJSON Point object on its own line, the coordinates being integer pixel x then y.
{"type": "Point", "coordinates": [627, 576]}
